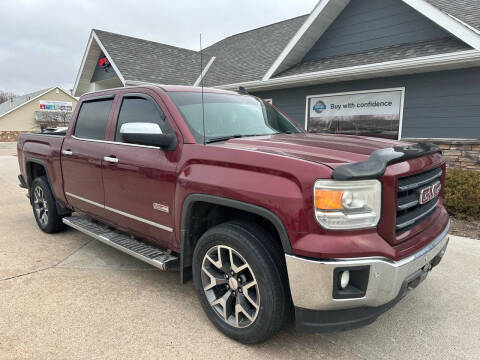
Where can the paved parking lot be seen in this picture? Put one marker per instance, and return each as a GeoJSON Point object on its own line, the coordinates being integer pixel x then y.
{"type": "Point", "coordinates": [66, 296]}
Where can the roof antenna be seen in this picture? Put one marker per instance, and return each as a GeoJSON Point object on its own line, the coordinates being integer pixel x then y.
{"type": "Point", "coordinates": [201, 84]}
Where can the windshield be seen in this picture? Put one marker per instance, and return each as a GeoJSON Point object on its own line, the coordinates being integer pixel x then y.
{"type": "Point", "coordinates": [230, 115]}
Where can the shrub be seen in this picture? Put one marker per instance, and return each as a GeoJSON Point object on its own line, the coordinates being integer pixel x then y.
{"type": "Point", "coordinates": [462, 194]}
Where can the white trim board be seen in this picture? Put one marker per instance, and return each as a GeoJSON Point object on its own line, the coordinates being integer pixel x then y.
{"type": "Point", "coordinates": [447, 22]}
{"type": "Point", "coordinates": [105, 52]}
{"type": "Point", "coordinates": [455, 60]}
{"type": "Point", "coordinates": [36, 97]}
{"type": "Point", "coordinates": [204, 71]}
{"type": "Point", "coordinates": [402, 103]}
{"type": "Point", "coordinates": [82, 64]}
{"type": "Point", "coordinates": [303, 40]}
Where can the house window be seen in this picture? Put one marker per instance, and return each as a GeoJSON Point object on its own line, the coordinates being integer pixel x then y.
{"type": "Point", "coordinates": [375, 113]}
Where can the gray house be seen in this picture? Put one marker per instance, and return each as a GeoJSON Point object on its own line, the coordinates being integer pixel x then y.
{"type": "Point", "coordinates": [389, 68]}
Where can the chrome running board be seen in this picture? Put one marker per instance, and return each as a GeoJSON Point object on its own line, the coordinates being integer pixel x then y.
{"type": "Point", "coordinates": [158, 257]}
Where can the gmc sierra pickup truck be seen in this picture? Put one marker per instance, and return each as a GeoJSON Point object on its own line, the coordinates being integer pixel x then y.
{"type": "Point", "coordinates": [269, 221]}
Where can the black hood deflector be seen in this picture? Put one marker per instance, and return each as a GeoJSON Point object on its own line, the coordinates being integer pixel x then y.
{"type": "Point", "coordinates": [377, 163]}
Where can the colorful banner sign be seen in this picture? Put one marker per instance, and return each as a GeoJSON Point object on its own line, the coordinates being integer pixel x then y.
{"type": "Point", "coordinates": [56, 105]}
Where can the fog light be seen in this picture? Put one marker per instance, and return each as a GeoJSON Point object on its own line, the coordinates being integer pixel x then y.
{"type": "Point", "coordinates": [350, 282]}
{"type": "Point", "coordinates": [344, 279]}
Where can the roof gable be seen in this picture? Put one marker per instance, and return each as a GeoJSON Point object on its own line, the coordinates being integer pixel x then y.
{"type": "Point", "coordinates": [241, 57]}
{"type": "Point", "coordinates": [88, 65]}
{"type": "Point", "coordinates": [148, 61]}
{"type": "Point", "coordinates": [327, 11]}
{"type": "Point", "coordinates": [369, 24]}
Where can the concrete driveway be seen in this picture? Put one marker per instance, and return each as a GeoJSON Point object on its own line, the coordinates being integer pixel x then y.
{"type": "Point", "coordinates": [66, 296]}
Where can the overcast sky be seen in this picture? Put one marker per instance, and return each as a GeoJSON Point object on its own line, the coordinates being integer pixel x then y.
{"type": "Point", "coordinates": [42, 42]}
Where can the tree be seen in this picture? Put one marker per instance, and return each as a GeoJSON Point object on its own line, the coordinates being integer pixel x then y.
{"type": "Point", "coordinates": [6, 96]}
{"type": "Point", "coordinates": [63, 117]}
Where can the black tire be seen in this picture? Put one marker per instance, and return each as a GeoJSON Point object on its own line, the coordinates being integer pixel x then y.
{"type": "Point", "coordinates": [47, 219]}
{"type": "Point", "coordinates": [266, 260]}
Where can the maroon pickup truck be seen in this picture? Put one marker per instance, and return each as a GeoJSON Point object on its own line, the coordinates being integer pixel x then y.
{"type": "Point", "coordinates": [271, 222]}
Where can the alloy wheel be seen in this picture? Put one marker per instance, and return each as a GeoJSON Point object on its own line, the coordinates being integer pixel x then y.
{"type": "Point", "coordinates": [230, 286]}
{"type": "Point", "coordinates": [40, 205]}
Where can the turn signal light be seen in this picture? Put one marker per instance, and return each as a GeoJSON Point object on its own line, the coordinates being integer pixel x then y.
{"type": "Point", "coordinates": [328, 199]}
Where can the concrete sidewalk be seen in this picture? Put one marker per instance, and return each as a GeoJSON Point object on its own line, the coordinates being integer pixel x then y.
{"type": "Point", "coordinates": [8, 148]}
{"type": "Point", "coordinates": [66, 296]}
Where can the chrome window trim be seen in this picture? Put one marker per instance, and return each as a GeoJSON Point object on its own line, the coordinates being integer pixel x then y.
{"type": "Point", "coordinates": [115, 142]}
{"type": "Point", "coordinates": [163, 227]}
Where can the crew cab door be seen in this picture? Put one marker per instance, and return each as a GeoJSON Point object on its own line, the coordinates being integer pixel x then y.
{"type": "Point", "coordinates": [139, 180]}
{"type": "Point", "coordinates": [82, 156]}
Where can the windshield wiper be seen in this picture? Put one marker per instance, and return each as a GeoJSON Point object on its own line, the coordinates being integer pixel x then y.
{"type": "Point", "coordinates": [234, 136]}
{"type": "Point", "coordinates": [224, 138]}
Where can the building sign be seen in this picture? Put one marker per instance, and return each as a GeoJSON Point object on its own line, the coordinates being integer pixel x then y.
{"type": "Point", "coordinates": [56, 105]}
{"type": "Point", "coordinates": [366, 113]}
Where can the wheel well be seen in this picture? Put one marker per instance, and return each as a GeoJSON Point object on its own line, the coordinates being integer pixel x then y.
{"type": "Point", "coordinates": [34, 170]}
{"type": "Point", "coordinates": [204, 215]}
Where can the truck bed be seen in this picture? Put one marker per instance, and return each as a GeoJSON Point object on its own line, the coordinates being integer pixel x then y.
{"type": "Point", "coordinates": [43, 149]}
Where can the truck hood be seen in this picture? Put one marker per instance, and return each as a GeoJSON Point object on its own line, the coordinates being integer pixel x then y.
{"type": "Point", "coordinates": [328, 149]}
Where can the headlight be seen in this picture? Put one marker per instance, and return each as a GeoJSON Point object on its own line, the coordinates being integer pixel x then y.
{"type": "Point", "coordinates": [344, 205]}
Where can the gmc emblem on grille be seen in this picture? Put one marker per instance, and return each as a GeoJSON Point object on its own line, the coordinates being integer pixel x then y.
{"type": "Point", "coordinates": [429, 193]}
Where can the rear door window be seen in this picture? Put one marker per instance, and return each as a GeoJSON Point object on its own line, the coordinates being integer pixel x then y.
{"type": "Point", "coordinates": [92, 119]}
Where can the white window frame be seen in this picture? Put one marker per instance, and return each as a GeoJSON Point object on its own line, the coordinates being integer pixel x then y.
{"type": "Point", "coordinates": [402, 103]}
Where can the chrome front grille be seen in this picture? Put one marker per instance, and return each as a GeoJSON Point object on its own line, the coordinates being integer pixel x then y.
{"type": "Point", "coordinates": [409, 210]}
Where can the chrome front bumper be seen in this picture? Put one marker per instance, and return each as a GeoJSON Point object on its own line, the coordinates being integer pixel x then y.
{"type": "Point", "coordinates": [311, 281]}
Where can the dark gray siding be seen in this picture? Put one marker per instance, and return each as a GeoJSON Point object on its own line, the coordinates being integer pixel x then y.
{"type": "Point", "coordinates": [100, 74]}
{"type": "Point", "coordinates": [371, 24]}
{"type": "Point", "coordinates": [442, 104]}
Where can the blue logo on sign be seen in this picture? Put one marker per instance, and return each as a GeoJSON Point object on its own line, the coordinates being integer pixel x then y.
{"type": "Point", "coordinates": [319, 106]}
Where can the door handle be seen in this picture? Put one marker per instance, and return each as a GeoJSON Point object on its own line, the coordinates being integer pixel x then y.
{"type": "Point", "coordinates": [67, 152]}
{"type": "Point", "coordinates": [110, 159]}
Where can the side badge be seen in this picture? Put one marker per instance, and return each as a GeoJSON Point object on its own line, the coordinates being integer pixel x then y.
{"type": "Point", "coordinates": [161, 207]}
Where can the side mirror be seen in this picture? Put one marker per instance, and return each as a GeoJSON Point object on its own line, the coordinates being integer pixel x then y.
{"type": "Point", "coordinates": [147, 134]}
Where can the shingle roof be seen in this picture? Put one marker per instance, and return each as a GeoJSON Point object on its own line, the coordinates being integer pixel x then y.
{"type": "Point", "coordinates": [143, 60]}
{"type": "Point", "coordinates": [241, 57]}
{"type": "Point", "coordinates": [19, 100]}
{"type": "Point", "coordinates": [467, 11]}
{"type": "Point", "coordinates": [390, 53]}
{"type": "Point", "coordinates": [248, 55]}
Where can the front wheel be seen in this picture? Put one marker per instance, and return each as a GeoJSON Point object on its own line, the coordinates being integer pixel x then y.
{"type": "Point", "coordinates": [44, 206]}
{"type": "Point", "coordinates": [239, 274]}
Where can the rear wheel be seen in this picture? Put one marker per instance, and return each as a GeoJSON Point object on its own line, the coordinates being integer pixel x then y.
{"type": "Point", "coordinates": [238, 272]}
{"type": "Point", "coordinates": [44, 206]}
